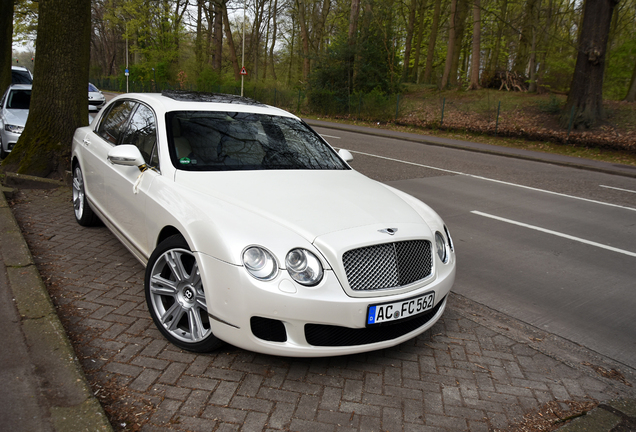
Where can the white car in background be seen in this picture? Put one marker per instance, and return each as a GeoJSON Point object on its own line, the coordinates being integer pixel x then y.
{"type": "Point", "coordinates": [255, 231]}
{"type": "Point", "coordinates": [14, 111]}
{"type": "Point", "coordinates": [96, 99]}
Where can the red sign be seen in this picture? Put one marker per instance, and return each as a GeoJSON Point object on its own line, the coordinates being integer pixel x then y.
{"type": "Point", "coordinates": [243, 71]}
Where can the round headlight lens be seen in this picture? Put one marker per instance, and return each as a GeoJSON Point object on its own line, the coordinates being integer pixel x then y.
{"type": "Point", "coordinates": [440, 244]}
{"type": "Point", "coordinates": [304, 267]}
{"type": "Point", "coordinates": [260, 263]}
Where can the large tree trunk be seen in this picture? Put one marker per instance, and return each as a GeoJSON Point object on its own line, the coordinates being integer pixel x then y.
{"type": "Point", "coordinates": [352, 38]}
{"type": "Point", "coordinates": [198, 43]}
{"type": "Point", "coordinates": [460, 27]}
{"type": "Point", "coordinates": [6, 39]}
{"type": "Point", "coordinates": [631, 93]}
{"type": "Point", "coordinates": [476, 56]}
{"type": "Point", "coordinates": [58, 103]}
{"type": "Point", "coordinates": [409, 38]}
{"type": "Point", "coordinates": [494, 58]}
{"type": "Point", "coordinates": [230, 42]}
{"type": "Point", "coordinates": [521, 60]}
{"type": "Point", "coordinates": [586, 91]}
{"type": "Point", "coordinates": [431, 42]}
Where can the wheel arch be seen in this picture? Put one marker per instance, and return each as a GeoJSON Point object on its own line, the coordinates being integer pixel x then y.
{"type": "Point", "coordinates": [168, 231]}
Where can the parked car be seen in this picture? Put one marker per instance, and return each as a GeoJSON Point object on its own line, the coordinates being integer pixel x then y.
{"type": "Point", "coordinates": [96, 99]}
{"type": "Point", "coordinates": [14, 110]}
{"type": "Point", "coordinates": [21, 75]}
{"type": "Point", "coordinates": [255, 231]}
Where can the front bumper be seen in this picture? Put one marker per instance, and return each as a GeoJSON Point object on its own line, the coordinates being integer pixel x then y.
{"type": "Point", "coordinates": [9, 139]}
{"type": "Point", "coordinates": [240, 306]}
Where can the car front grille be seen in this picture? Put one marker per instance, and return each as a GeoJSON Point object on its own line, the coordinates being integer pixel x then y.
{"type": "Point", "coordinates": [388, 265]}
{"type": "Point", "coordinates": [332, 336]}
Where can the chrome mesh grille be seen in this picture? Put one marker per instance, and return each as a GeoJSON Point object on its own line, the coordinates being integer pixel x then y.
{"type": "Point", "coordinates": [388, 265]}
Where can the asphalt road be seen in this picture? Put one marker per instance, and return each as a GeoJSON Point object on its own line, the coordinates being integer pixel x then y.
{"type": "Point", "coordinates": [552, 246]}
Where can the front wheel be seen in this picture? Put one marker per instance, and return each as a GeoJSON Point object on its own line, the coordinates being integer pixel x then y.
{"type": "Point", "coordinates": [176, 298]}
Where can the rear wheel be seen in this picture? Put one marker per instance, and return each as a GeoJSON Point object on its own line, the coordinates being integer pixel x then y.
{"type": "Point", "coordinates": [83, 212]}
{"type": "Point", "coordinates": [176, 298]}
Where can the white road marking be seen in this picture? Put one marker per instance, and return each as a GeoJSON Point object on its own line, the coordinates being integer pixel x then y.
{"type": "Point", "coordinates": [555, 233]}
{"type": "Point", "coordinates": [620, 189]}
{"type": "Point", "coordinates": [329, 136]}
{"type": "Point", "coordinates": [497, 181]}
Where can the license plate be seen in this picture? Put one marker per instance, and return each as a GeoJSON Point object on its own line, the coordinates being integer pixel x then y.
{"type": "Point", "coordinates": [387, 312]}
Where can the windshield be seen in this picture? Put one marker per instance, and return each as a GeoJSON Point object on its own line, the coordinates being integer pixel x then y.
{"type": "Point", "coordinates": [223, 141]}
{"type": "Point", "coordinates": [19, 99]}
{"type": "Point", "coordinates": [92, 88]}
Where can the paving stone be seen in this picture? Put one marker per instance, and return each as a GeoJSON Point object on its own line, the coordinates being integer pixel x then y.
{"type": "Point", "coordinates": [460, 375]}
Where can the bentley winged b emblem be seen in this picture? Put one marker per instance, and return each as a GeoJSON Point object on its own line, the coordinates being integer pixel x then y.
{"type": "Point", "coordinates": [389, 231]}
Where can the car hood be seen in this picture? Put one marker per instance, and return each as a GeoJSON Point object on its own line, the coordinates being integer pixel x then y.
{"type": "Point", "coordinates": [311, 203]}
{"type": "Point", "coordinates": [16, 117]}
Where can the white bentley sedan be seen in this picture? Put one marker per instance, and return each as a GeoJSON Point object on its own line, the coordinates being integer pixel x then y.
{"type": "Point", "coordinates": [255, 231]}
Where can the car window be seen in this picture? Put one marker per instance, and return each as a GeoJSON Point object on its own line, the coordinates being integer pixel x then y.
{"type": "Point", "coordinates": [112, 124]}
{"type": "Point", "coordinates": [21, 77]}
{"type": "Point", "coordinates": [19, 99]}
{"type": "Point", "coordinates": [92, 88]}
{"type": "Point", "coordinates": [142, 132]}
{"type": "Point", "coordinates": [221, 141]}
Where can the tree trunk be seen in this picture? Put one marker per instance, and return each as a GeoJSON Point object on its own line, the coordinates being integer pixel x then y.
{"type": "Point", "coordinates": [409, 38]}
{"type": "Point", "coordinates": [451, 44]}
{"type": "Point", "coordinates": [418, 43]}
{"type": "Point", "coordinates": [6, 40]}
{"type": "Point", "coordinates": [521, 60]}
{"type": "Point", "coordinates": [586, 91]}
{"type": "Point", "coordinates": [631, 93]}
{"type": "Point", "coordinates": [304, 36]}
{"type": "Point", "coordinates": [58, 105]}
{"type": "Point", "coordinates": [230, 42]}
{"type": "Point", "coordinates": [431, 42]}
{"type": "Point", "coordinates": [271, 47]}
{"type": "Point", "coordinates": [476, 56]}
{"type": "Point", "coordinates": [460, 27]}
{"type": "Point", "coordinates": [494, 58]}
{"type": "Point", "coordinates": [352, 38]}
{"type": "Point", "coordinates": [198, 43]}
{"type": "Point", "coordinates": [218, 35]}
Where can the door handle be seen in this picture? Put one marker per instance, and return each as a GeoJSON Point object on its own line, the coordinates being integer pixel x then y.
{"type": "Point", "coordinates": [86, 141]}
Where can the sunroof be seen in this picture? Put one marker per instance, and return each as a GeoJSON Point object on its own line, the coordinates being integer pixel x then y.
{"type": "Point", "coordinates": [192, 96]}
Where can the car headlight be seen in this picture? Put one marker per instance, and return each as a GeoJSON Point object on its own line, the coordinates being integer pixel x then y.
{"type": "Point", "coordinates": [13, 128]}
{"type": "Point", "coordinates": [440, 244]}
{"type": "Point", "coordinates": [304, 267]}
{"type": "Point", "coordinates": [260, 263]}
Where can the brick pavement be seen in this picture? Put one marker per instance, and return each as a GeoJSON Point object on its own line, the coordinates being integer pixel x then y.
{"type": "Point", "coordinates": [460, 376]}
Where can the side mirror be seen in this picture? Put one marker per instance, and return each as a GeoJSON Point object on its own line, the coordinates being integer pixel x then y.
{"type": "Point", "coordinates": [345, 155]}
{"type": "Point", "coordinates": [127, 155]}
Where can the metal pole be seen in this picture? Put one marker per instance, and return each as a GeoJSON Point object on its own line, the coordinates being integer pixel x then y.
{"type": "Point", "coordinates": [243, 54]}
{"type": "Point", "coordinates": [443, 104]}
{"type": "Point", "coordinates": [126, 56]}
{"type": "Point", "coordinates": [497, 122]}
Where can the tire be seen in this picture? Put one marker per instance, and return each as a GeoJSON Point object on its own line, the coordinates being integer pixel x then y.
{"type": "Point", "coordinates": [3, 154]}
{"type": "Point", "coordinates": [176, 298]}
{"type": "Point", "coordinates": [84, 215]}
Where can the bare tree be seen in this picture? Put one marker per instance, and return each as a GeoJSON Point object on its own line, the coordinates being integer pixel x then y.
{"type": "Point", "coordinates": [431, 42]}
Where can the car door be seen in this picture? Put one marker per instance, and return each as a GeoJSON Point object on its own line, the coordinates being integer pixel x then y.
{"type": "Point", "coordinates": [96, 145]}
{"type": "Point", "coordinates": [127, 186]}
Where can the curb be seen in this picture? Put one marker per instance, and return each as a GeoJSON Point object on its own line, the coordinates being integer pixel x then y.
{"type": "Point", "coordinates": [73, 407]}
{"type": "Point", "coordinates": [617, 415]}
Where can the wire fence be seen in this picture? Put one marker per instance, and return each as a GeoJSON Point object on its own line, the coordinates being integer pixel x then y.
{"type": "Point", "coordinates": [372, 106]}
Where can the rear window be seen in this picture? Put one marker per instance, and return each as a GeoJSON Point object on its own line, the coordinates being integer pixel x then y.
{"type": "Point", "coordinates": [21, 77]}
{"type": "Point", "coordinates": [228, 141]}
{"type": "Point", "coordinates": [19, 99]}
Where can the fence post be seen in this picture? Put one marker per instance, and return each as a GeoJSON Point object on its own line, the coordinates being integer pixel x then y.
{"type": "Point", "coordinates": [570, 123]}
{"type": "Point", "coordinates": [359, 106]}
{"type": "Point", "coordinates": [298, 108]}
{"type": "Point", "coordinates": [397, 107]}
{"type": "Point", "coordinates": [497, 122]}
{"type": "Point", "coordinates": [443, 105]}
